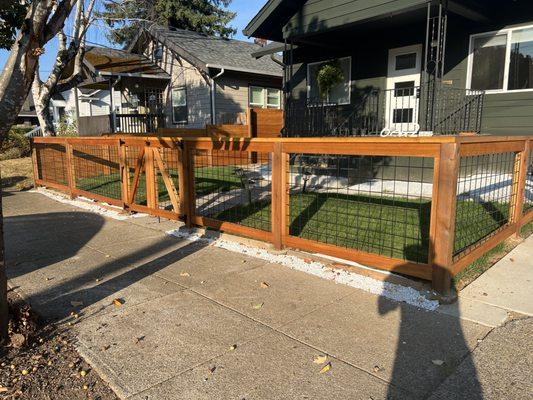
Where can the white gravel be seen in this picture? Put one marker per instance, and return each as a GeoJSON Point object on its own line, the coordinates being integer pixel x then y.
{"type": "Point", "coordinates": [89, 205]}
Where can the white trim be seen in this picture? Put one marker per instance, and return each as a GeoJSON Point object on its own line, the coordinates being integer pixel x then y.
{"type": "Point", "coordinates": [349, 76]}
{"type": "Point", "coordinates": [265, 103]}
{"type": "Point", "coordinates": [470, 59]}
{"type": "Point", "coordinates": [185, 121]}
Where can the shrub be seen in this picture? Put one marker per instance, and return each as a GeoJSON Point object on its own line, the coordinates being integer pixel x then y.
{"type": "Point", "coordinates": [15, 144]}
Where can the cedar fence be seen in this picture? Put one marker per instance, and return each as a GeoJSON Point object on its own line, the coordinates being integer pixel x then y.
{"type": "Point", "coordinates": [424, 207]}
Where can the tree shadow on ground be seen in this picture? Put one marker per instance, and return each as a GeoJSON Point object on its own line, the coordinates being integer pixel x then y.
{"type": "Point", "coordinates": [431, 346]}
{"type": "Point", "coordinates": [45, 247]}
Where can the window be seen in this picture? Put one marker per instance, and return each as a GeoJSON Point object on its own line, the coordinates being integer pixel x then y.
{"type": "Point", "coordinates": [405, 61]}
{"type": "Point", "coordinates": [179, 105]}
{"type": "Point", "coordinates": [339, 94]}
{"type": "Point", "coordinates": [265, 97]}
{"type": "Point", "coordinates": [502, 61]}
{"type": "Point", "coordinates": [273, 98]}
{"type": "Point", "coordinates": [158, 53]}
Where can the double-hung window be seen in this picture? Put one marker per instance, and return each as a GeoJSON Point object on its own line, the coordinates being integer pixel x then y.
{"type": "Point", "coordinates": [179, 105]}
{"type": "Point", "coordinates": [502, 61]}
{"type": "Point", "coordinates": [261, 97]}
{"type": "Point", "coordinates": [338, 94]}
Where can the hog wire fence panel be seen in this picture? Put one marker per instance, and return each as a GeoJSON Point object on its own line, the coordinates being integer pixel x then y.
{"type": "Point", "coordinates": [484, 198]}
{"type": "Point", "coordinates": [96, 169]}
{"type": "Point", "coordinates": [51, 161]}
{"type": "Point", "coordinates": [528, 192]}
{"type": "Point", "coordinates": [374, 204]}
{"type": "Point", "coordinates": [234, 186]}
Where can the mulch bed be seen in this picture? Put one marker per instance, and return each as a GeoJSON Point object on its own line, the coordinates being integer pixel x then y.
{"type": "Point", "coordinates": [41, 362]}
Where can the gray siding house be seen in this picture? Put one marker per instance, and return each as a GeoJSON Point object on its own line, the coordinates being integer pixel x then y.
{"type": "Point", "coordinates": [441, 66]}
{"type": "Point", "coordinates": [172, 78]}
{"type": "Point", "coordinates": [212, 80]}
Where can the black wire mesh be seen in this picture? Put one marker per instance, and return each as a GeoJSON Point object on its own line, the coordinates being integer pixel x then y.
{"type": "Point", "coordinates": [234, 186]}
{"type": "Point", "coordinates": [170, 159]}
{"type": "Point", "coordinates": [97, 170]}
{"type": "Point", "coordinates": [379, 205]}
{"type": "Point", "coordinates": [484, 198]}
{"type": "Point", "coordinates": [52, 162]}
{"type": "Point", "coordinates": [528, 192]}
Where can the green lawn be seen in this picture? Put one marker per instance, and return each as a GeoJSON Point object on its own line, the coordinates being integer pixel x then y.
{"type": "Point", "coordinates": [396, 228]}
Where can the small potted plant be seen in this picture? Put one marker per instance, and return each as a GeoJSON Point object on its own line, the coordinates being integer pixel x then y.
{"type": "Point", "coordinates": [329, 76]}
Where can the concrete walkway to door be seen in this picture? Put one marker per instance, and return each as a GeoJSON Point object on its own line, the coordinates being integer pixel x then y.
{"type": "Point", "coordinates": [200, 322]}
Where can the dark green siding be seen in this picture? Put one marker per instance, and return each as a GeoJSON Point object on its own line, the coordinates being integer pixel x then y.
{"type": "Point", "coordinates": [320, 15]}
{"type": "Point", "coordinates": [503, 113]}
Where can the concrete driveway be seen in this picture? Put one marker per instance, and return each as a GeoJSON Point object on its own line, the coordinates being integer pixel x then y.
{"type": "Point", "coordinates": [200, 322]}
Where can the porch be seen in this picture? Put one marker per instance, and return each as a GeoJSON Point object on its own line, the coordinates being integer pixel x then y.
{"type": "Point", "coordinates": [400, 72]}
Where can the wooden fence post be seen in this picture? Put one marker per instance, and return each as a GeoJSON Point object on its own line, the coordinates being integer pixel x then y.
{"type": "Point", "coordinates": [71, 173]}
{"type": "Point", "coordinates": [442, 230]}
{"type": "Point", "coordinates": [124, 173]}
{"type": "Point", "coordinates": [519, 187]}
{"type": "Point", "coordinates": [277, 206]}
{"type": "Point", "coordinates": [151, 183]}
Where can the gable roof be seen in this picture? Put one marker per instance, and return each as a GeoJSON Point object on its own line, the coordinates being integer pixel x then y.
{"type": "Point", "coordinates": [206, 52]}
{"type": "Point", "coordinates": [271, 18]}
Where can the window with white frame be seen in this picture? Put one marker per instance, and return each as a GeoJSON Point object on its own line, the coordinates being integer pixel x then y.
{"type": "Point", "coordinates": [340, 93]}
{"type": "Point", "coordinates": [261, 97]}
{"type": "Point", "coordinates": [179, 105]}
{"type": "Point", "coordinates": [502, 61]}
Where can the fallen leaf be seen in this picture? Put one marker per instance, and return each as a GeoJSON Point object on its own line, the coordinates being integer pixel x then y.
{"type": "Point", "coordinates": [212, 369]}
{"type": "Point", "coordinates": [233, 347]}
{"type": "Point", "coordinates": [185, 274]}
{"type": "Point", "coordinates": [265, 285]}
{"type": "Point", "coordinates": [118, 302]}
{"type": "Point", "coordinates": [320, 359]}
{"type": "Point", "coordinates": [18, 340]}
{"type": "Point", "coordinates": [511, 259]}
{"type": "Point", "coordinates": [139, 339]}
{"type": "Point", "coordinates": [258, 306]}
{"type": "Point", "coordinates": [3, 389]}
{"type": "Point", "coordinates": [437, 362]}
{"type": "Point", "coordinates": [83, 373]}
{"type": "Point", "coordinates": [377, 368]}
{"type": "Point", "coordinates": [326, 368]}
{"type": "Point", "coordinates": [308, 260]}
{"type": "Point", "coordinates": [25, 372]}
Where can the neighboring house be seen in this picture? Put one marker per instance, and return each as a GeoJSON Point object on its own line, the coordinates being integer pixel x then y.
{"type": "Point", "coordinates": [443, 66]}
{"type": "Point", "coordinates": [212, 80]}
{"type": "Point", "coordinates": [27, 116]}
{"type": "Point", "coordinates": [174, 78]}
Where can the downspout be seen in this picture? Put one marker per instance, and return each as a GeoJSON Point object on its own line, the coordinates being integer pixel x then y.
{"type": "Point", "coordinates": [213, 93]}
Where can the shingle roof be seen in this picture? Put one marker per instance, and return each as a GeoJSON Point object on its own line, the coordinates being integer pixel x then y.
{"type": "Point", "coordinates": [215, 51]}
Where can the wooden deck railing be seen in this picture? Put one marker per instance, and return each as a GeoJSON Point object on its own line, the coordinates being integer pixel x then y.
{"type": "Point", "coordinates": [425, 207]}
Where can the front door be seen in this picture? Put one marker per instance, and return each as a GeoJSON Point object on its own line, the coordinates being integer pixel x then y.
{"type": "Point", "coordinates": [403, 81]}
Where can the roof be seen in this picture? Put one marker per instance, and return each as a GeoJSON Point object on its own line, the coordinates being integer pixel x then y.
{"type": "Point", "coordinates": [108, 61]}
{"type": "Point", "coordinates": [206, 51]}
{"type": "Point", "coordinates": [271, 18]}
{"type": "Point", "coordinates": [28, 108]}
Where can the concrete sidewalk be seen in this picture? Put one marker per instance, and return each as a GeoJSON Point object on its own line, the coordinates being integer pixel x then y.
{"type": "Point", "coordinates": [198, 322]}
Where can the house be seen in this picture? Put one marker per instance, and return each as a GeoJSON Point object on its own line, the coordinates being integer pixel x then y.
{"type": "Point", "coordinates": [403, 65]}
{"type": "Point", "coordinates": [27, 116]}
{"type": "Point", "coordinates": [171, 78]}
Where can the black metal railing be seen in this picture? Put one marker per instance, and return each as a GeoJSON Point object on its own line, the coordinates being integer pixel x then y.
{"type": "Point", "coordinates": [406, 109]}
{"type": "Point", "coordinates": [137, 123]}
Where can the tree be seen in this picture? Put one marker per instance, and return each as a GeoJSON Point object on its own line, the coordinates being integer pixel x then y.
{"type": "Point", "coordinates": [126, 17]}
{"type": "Point", "coordinates": [74, 52]}
{"type": "Point", "coordinates": [43, 20]}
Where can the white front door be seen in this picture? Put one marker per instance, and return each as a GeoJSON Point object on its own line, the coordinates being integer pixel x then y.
{"type": "Point", "coordinates": [403, 81]}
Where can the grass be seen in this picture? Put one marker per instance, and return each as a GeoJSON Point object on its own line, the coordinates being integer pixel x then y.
{"type": "Point", "coordinates": [394, 227]}
{"type": "Point", "coordinates": [17, 174]}
{"type": "Point", "coordinates": [207, 180]}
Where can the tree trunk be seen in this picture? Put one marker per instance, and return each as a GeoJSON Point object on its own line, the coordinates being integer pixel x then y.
{"type": "Point", "coordinates": [46, 120]}
{"type": "Point", "coordinates": [4, 312]}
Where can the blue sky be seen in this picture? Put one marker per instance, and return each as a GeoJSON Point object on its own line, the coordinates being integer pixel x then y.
{"type": "Point", "coordinates": [245, 9]}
